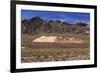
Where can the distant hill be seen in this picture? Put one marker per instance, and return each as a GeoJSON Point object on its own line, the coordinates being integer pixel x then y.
{"type": "Point", "coordinates": [37, 25]}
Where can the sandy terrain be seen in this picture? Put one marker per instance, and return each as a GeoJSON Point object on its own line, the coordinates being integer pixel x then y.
{"type": "Point", "coordinates": [52, 39]}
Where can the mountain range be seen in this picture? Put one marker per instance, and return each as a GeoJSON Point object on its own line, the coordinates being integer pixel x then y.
{"type": "Point", "coordinates": [37, 25]}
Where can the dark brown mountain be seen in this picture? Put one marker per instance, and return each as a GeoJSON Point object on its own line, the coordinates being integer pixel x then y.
{"type": "Point", "coordinates": [37, 25]}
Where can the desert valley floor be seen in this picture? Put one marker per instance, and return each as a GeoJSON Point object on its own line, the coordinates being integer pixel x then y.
{"type": "Point", "coordinates": [66, 47]}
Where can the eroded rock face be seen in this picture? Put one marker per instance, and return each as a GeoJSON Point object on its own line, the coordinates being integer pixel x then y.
{"type": "Point", "coordinates": [56, 39]}
{"type": "Point", "coordinates": [37, 25]}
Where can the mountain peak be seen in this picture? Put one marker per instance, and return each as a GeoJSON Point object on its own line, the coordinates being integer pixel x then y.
{"type": "Point", "coordinates": [37, 18]}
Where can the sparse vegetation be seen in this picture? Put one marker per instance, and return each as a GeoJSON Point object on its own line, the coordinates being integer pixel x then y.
{"type": "Point", "coordinates": [41, 52]}
{"type": "Point", "coordinates": [54, 54]}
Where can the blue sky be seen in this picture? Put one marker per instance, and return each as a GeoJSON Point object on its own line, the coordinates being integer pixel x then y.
{"type": "Point", "coordinates": [70, 17]}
